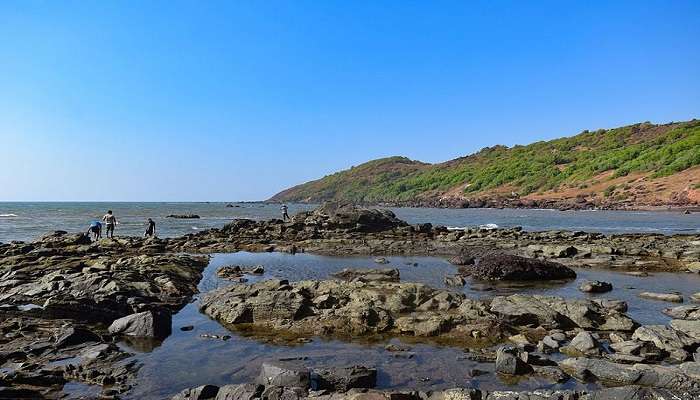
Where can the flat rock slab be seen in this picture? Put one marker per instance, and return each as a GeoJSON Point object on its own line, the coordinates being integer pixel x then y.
{"type": "Point", "coordinates": [671, 297]}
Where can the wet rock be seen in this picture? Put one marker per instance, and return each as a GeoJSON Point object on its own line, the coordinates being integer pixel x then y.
{"type": "Point", "coordinates": [19, 393]}
{"type": "Point", "coordinates": [691, 312]}
{"type": "Point", "coordinates": [671, 378]}
{"type": "Point", "coordinates": [381, 260]}
{"type": "Point", "coordinates": [246, 391]}
{"type": "Point", "coordinates": [509, 361]}
{"type": "Point", "coordinates": [155, 324]}
{"type": "Point", "coordinates": [96, 351]}
{"type": "Point", "coordinates": [690, 328]}
{"type": "Point", "coordinates": [183, 216]}
{"type": "Point", "coordinates": [549, 344]}
{"type": "Point", "coordinates": [617, 305]}
{"type": "Point", "coordinates": [672, 297]}
{"type": "Point", "coordinates": [186, 328]}
{"type": "Point", "coordinates": [583, 343]}
{"type": "Point", "coordinates": [449, 394]}
{"type": "Point", "coordinates": [283, 393]}
{"type": "Point", "coordinates": [229, 272]}
{"type": "Point", "coordinates": [551, 373]}
{"type": "Point", "coordinates": [461, 260]}
{"type": "Point", "coordinates": [256, 270]}
{"type": "Point", "coordinates": [456, 280]}
{"type": "Point", "coordinates": [595, 287]}
{"type": "Point", "coordinates": [355, 308]}
{"type": "Point", "coordinates": [344, 379]}
{"type": "Point", "coordinates": [639, 274]}
{"type": "Point", "coordinates": [503, 267]}
{"type": "Point", "coordinates": [636, 393]}
{"type": "Point", "coordinates": [645, 351]}
{"type": "Point", "coordinates": [204, 392]}
{"type": "Point", "coordinates": [284, 374]}
{"type": "Point", "coordinates": [554, 312]}
{"type": "Point", "coordinates": [665, 338]}
{"type": "Point", "coordinates": [368, 275]}
{"type": "Point", "coordinates": [73, 335]}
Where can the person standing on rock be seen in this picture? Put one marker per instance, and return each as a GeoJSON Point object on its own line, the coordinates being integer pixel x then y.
{"type": "Point", "coordinates": [150, 228]}
{"type": "Point", "coordinates": [111, 221]}
{"type": "Point", "coordinates": [96, 230]}
{"type": "Point", "coordinates": [285, 215]}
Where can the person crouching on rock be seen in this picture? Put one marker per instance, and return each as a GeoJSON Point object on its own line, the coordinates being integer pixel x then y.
{"type": "Point", "coordinates": [96, 230]}
{"type": "Point", "coordinates": [150, 228]}
{"type": "Point", "coordinates": [111, 221]}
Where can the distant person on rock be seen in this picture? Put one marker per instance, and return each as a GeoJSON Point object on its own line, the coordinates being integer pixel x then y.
{"type": "Point", "coordinates": [150, 228]}
{"type": "Point", "coordinates": [96, 230]}
{"type": "Point", "coordinates": [111, 221]}
{"type": "Point", "coordinates": [285, 215]}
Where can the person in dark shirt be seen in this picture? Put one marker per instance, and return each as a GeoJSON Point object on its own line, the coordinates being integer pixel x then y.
{"type": "Point", "coordinates": [150, 228]}
{"type": "Point", "coordinates": [96, 230]}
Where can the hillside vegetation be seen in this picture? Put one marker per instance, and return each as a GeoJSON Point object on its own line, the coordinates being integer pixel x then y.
{"type": "Point", "coordinates": [632, 165]}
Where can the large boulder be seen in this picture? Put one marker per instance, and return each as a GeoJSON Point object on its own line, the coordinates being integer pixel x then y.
{"type": "Point", "coordinates": [153, 324]}
{"type": "Point", "coordinates": [505, 267]}
{"type": "Point", "coordinates": [345, 216]}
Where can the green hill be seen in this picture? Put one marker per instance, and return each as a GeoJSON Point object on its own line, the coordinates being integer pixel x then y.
{"type": "Point", "coordinates": [636, 165]}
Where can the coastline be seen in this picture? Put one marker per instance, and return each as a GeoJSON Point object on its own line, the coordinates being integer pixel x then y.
{"type": "Point", "coordinates": [77, 288]}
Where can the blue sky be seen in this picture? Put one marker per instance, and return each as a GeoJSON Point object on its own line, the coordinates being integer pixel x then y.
{"type": "Point", "coordinates": [234, 100]}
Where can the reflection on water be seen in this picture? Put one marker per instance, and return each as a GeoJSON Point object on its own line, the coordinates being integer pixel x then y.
{"type": "Point", "coordinates": [186, 359]}
{"type": "Point", "coordinates": [77, 390]}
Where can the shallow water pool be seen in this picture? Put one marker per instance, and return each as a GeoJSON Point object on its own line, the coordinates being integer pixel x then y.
{"type": "Point", "coordinates": [185, 359]}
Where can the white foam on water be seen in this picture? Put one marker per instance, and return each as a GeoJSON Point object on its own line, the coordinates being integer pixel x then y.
{"type": "Point", "coordinates": [7, 215]}
{"type": "Point", "coordinates": [488, 226]}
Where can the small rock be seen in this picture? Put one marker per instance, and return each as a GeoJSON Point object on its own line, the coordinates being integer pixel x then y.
{"type": "Point", "coordinates": [204, 392]}
{"type": "Point", "coordinates": [584, 343]}
{"type": "Point", "coordinates": [672, 297]}
{"type": "Point", "coordinates": [456, 280]}
{"type": "Point", "coordinates": [155, 324]}
{"type": "Point", "coordinates": [344, 379]}
{"type": "Point", "coordinates": [509, 361]}
{"type": "Point", "coordinates": [284, 375]}
{"type": "Point", "coordinates": [595, 287]}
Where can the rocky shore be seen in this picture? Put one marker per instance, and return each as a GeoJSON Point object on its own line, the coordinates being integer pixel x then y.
{"type": "Point", "coordinates": [343, 230]}
{"type": "Point", "coordinates": [65, 302]}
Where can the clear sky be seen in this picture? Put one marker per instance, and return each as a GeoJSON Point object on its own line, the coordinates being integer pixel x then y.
{"type": "Point", "coordinates": [236, 100]}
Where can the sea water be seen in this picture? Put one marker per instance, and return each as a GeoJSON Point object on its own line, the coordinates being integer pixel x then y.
{"type": "Point", "coordinates": [27, 221]}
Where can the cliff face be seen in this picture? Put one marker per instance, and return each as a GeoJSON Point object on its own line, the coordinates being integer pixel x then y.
{"type": "Point", "coordinates": [636, 166]}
